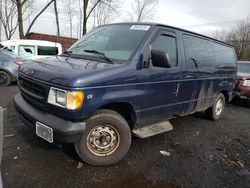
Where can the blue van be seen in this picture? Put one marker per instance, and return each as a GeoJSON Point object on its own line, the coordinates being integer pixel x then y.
{"type": "Point", "coordinates": [121, 79]}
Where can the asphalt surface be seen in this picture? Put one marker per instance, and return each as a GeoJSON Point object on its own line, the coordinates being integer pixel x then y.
{"type": "Point", "coordinates": [203, 153]}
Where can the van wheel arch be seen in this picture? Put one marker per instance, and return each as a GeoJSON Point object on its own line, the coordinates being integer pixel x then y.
{"type": "Point", "coordinates": [216, 110]}
{"type": "Point", "coordinates": [125, 109]}
{"type": "Point", "coordinates": [226, 95]}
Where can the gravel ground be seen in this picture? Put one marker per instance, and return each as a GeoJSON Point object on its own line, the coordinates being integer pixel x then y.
{"type": "Point", "coordinates": [203, 153]}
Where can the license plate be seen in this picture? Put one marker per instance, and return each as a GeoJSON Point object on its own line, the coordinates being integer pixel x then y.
{"type": "Point", "coordinates": [44, 132]}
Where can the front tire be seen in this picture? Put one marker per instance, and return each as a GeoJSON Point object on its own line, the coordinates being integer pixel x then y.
{"type": "Point", "coordinates": [106, 140]}
{"type": "Point", "coordinates": [216, 110]}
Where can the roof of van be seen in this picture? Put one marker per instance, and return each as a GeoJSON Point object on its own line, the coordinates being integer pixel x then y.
{"type": "Point", "coordinates": [29, 42]}
{"type": "Point", "coordinates": [169, 26]}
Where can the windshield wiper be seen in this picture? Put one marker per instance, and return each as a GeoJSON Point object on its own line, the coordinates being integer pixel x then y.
{"type": "Point", "coordinates": [101, 54]}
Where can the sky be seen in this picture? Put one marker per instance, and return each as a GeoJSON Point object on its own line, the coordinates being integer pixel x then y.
{"type": "Point", "coordinates": [202, 16]}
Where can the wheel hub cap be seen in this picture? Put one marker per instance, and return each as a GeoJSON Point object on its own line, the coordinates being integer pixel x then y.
{"type": "Point", "coordinates": [218, 107]}
{"type": "Point", "coordinates": [103, 140]}
{"type": "Point", "coordinates": [2, 79]}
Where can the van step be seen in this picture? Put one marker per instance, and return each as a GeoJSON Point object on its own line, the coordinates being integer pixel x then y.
{"type": "Point", "coordinates": [153, 129]}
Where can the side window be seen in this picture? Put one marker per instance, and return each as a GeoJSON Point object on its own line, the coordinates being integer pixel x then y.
{"type": "Point", "coordinates": [167, 44]}
{"type": "Point", "coordinates": [44, 50]}
{"type": "Point", "coordinates": [25, 51]}
{"type": "Point", "coordinates": [199, 52]}
{"type": "Point", "coordinates": [224, 54]}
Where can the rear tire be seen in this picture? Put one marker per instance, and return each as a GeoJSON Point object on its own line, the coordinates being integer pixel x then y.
{"type": "Point", "coordinates": [106, 140]}
{"type": "Point", "coordinates": [216, 110]}
{"type": "Point", "coordinates": [5, 78]}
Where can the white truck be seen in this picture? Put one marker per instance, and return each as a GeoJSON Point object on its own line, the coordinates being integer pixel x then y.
{"type": "Point", "coordinates": [33, 49]}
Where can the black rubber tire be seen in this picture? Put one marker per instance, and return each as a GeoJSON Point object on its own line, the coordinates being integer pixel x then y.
{"type": "Point", "coordinates": [7, 78]}
{"type": "Point", "coordinates": [210, 112]}
{"type": "Point", "coordinates": [114, 119]}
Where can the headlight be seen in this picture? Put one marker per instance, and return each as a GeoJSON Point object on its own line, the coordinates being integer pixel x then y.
{"type": "Point", "coordinates": [71, 100]}
{"type": "Point", "coordinates": [246, 83]}
{"type": "Point", "coordinates": [74, 99]}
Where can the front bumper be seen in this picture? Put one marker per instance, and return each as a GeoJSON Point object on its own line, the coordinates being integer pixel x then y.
{"type": "Point", "coordinates": [64, 131]}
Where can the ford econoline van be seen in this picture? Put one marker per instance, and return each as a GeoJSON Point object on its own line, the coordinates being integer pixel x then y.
{"type": "Point", "coordinates": [123, 79]}
{"type": "Point", "coordinates": [33, 49]}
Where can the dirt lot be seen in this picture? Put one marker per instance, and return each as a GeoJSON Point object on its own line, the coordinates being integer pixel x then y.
{"type": "Point", "coordinates": [203, 153]}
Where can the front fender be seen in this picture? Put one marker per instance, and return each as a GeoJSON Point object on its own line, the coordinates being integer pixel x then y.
{"type": "Point", "coordinates": [98, 98]}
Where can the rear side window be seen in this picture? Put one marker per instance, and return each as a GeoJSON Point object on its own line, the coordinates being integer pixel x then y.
{"type": "Point", "coordinates": [199, 52]}
{"type": "Point", "coordinates": [25, 51]}
{"type": "Point", "coordinates": [167, 44]}
{"type": "Point", "coordinates": [44, 50]}
{"type": "Point", "coordinates": [224, 54]}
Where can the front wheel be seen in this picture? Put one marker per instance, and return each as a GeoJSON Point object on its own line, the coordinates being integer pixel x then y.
{"type": "Point", "coordinates": [106, 139]}
{"type": "Point", "coordinates": [5, 78]}
{"type": "Point", "coordinates": [215, 112]}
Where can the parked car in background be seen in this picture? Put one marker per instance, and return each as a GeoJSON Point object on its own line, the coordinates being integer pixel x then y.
{"type": "Point", "coordinates": [242, 85]}
{"type": "Point", "coordinates": [121, 79]}
{"type": "Point", "coordinates": [9, 63]}
{"type": "Point", "coordinates": [33, 49]}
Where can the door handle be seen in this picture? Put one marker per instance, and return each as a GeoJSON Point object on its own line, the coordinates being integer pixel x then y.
{"type": "Point", "coordinates": [176, 91]}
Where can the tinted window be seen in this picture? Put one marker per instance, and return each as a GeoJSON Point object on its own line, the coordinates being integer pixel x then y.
{"type": "Point", "coordinates": [43, 50]}
{"type": "Point", "coordinates": [25, 51]}
{"type": "Point", "coordinates": [167, 44]}
{"type": "Point", "coordinates": [198, 52]}
{"type": "Point", "coordinates": [224, 54]}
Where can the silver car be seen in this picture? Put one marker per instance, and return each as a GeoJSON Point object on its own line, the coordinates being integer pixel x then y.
{"type": "Point", "coordinates": [9, 63]}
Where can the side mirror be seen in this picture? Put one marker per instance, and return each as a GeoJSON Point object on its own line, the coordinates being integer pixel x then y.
{"type": "Point", "coordinates": [160, 59]}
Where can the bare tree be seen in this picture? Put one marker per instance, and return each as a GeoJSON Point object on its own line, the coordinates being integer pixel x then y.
{"type": "Point", "coordinates": [239, 37]}
{"type": "Point", "coordinates": [70, 14]}
{"type": "Point", "coordinates": [105, 12]}
{"type": "Point", "coordinates": [243, 38]}
{"type": "Point", "coordinates": [80, 19]}
{"type": "Point", "coordinates": [57, 18]}
{"type": "Point", "coordinates": [8, 18]}
{"type": "Point", "coordinates": [87, 13]}
{"type": "Point", "coordinates": [21, 10]}
{"type": "Point", "coordinates": [143, 10]}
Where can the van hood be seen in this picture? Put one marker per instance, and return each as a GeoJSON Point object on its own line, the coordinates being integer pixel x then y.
{"type": "Point", "coordinates": [66, 71]}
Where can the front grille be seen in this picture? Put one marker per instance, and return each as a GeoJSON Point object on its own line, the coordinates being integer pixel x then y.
{"type": "Point", "coordinates": [32, 91]}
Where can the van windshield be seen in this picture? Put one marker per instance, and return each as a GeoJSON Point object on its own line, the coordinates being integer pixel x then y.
{"type": "Point", "coordinates": [116, 42]}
